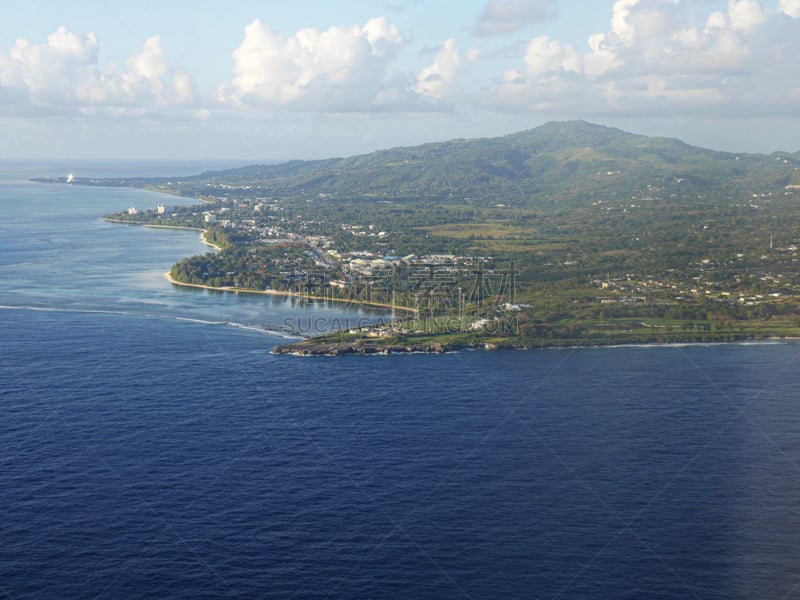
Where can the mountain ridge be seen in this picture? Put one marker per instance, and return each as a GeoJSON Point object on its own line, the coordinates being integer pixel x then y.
{"type": "Point", "coordinates": [526, 167]}
{"type": "Point", "coordinates": [560, 165]}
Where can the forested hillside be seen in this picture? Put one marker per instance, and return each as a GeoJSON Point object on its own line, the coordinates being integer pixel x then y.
{"type": "Point", "coordinates": [557, 166]}
{"type": "Point", "coordinates": [607, 233]}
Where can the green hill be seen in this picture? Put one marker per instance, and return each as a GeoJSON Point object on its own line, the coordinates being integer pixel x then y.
{"type": "Point", "coordinates": [557, 166]}
{"type": "Point", "coordinates": [613, 236]}
{"type": "Point", "coordinates": [560, 164]}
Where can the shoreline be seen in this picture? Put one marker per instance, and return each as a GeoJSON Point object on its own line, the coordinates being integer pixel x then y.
{"type": "Point", "coordinates": [285, 294]}
{"type": "Point", "coordinates": [310, 347]}
{"type": "Point", "coordinates": [151, 226]}
{"type": "Point", "coordinates": [235, 290]}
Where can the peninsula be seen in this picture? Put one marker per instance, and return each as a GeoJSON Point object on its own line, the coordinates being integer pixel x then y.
{"type": "Point", "coordinates": [568, 234]}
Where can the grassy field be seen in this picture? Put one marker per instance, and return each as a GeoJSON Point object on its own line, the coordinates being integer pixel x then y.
{"type": "Point", "coordinates": [568, 333]}
{"type": "Point", "coordinates": [498, 236]}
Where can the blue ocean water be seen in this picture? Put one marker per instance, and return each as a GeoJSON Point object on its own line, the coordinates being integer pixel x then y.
{"type": "Point", "coordinates": [152, 447]}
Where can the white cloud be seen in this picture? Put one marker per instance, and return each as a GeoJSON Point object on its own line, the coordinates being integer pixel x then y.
{"type": "Point", "coordinates": [507, 16]}
{"type": "Point", "coordinates": [150, 62]}
{"type": "Point", "coordinates": [383, 36]}
{"type": "Point", "coordinates": [49, 72]}
{"type": "Point", "coordinates": [621, 26]}
{"type": "Point", "coordinates": [601, 57]}
{"type": "Point", "coordinates": [716, 20]}
{"type": "Point", "coordinates": [655, 59]}
{"type": "Point", "coordinates": [652, 58]}
{"type": "Point", "coordinates": [544, 55]}
{"type": "Point", "coordinates": [341, 69]}
{"type": "Point", "coordinates": [436, 80]}
{"type": "Point", "coordinates": [790, 8]}
{"type": "Point", "coordinates": [63, 76]}
{"type": "Point", "coordinates": [152, 80]}
{"type": "Point", "coordinates": [745, 15]}
{"type": "Point", "coordinates": [337, 70]}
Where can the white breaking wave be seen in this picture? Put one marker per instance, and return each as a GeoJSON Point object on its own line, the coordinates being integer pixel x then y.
{"type": "Point", "coordinates": [98, 311]}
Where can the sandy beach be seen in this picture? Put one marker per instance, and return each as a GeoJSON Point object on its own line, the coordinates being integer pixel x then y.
{"type": "Point", "coordinates": [289, 295]}
{"type": "Point", "coordinates": [145, 224]}
{"type": "Point", "coordinates": [246, 291]}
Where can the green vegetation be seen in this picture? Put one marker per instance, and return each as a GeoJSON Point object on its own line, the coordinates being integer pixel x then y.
{"type": "Point", "coordinates": [576, 232]}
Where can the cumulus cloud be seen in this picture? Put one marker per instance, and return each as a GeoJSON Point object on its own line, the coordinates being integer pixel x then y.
{"type": "Point", "coordinates": [63, 76]}
{"type": "Point", "coordinates": [341, 69]}
{"type": "Point", "coordinates": [336, 70]}
{"type": "Point", "coordinates": [150, 79]}
{"type": "Point", "coordinates": [733, 57]}
{"type": "Point", "coordinates": [657, 58]}
{"type": "Point", "coordinates": [437, 79]}
{"type": "Point", "coordinates": [745, 15]}
{"type": "Point", "coordinates": [544, 55]}
{"type": "Point", "coordinates": [790, 8]}
{"type": "Point", "coordinates": [621, 25]}
{"type": "Point", "coordinates": [49, 72]}
{"type": "Point", "coordinates": [507, 16]}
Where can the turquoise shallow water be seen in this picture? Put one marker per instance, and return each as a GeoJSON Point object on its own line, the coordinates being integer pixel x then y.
{"type": "Point", "coordinates": [153, 447]}
{"type": "Point", "coordinates": [56, 252]}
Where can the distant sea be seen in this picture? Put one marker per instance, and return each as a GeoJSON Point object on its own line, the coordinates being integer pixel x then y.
{"type": "Point", "coordinates": [152, 447]}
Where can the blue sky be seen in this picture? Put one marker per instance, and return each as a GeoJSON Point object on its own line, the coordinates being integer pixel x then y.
{"type": "Point", "coordinates": [278, 80]}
